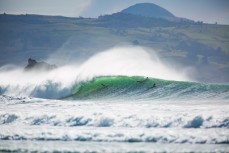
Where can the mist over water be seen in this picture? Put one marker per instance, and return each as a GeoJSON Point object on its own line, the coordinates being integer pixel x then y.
{"type": "Point", "coordinates": [128, 61]}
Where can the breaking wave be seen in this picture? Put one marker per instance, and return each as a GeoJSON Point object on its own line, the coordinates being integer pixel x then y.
{"type": "Point", "coordinates": [133, 128]}
{"type": "Point", "coordinates": [125, 121]}
{"type": "Point", "coordinates": [144, 88]}
{"type": "Point", "coordinates": [126, 88]}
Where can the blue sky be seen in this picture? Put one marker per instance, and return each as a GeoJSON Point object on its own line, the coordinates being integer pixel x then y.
{"type": "Point", "coordinates": [208, 11]}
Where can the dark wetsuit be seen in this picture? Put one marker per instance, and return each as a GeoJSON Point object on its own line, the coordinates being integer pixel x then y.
{"type": "Point", "coordinates": [154, 86]}
{"type": "Point", "coordinates": [104, 85]}
{"type": "Point", "coordinates": [143, 80]}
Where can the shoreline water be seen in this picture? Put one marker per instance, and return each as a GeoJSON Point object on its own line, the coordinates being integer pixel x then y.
{"type": "Point", "coordinates": [100, 147]}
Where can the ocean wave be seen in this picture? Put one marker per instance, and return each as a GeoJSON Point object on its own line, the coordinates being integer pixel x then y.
{"type": "Point", "coordinates": [11, 100]}
{"type": "Point", "coordinates": [122, 87]}
{"type": "Point", "coordinates": [104, 147]}
{"type": "Point", "coordinates": [7, 118]}
{"type": "Point", "coordinates": [132, 121]}
{"type": "Point", "coordinates": [140, 88]}
{"type": "Point", "coordinates": [158, 135]}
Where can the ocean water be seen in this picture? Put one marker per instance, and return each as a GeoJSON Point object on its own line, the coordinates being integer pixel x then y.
{"type": "Point", "coordinates": [116, 114]}
{"type": "Point", "coordinates": [121, 100]}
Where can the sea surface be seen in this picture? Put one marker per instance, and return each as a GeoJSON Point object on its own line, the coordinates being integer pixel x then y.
{"type": "Point", "coordinates": [115, 114]}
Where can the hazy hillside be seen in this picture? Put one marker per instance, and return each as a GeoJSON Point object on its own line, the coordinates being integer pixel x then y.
{"type": "Point", "coordinates": [193, 44]}
{"type": "Point", "coordinates": [149, 10]}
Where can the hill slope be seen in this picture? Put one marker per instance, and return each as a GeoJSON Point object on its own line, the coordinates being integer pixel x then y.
{"type": "Point", "coordinates": [149, 10]}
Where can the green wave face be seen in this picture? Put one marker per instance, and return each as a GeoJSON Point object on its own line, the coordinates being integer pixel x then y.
{"type": "Point", "coordinates": [141, 88]}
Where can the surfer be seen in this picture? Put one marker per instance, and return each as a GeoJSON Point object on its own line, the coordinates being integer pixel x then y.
{"type": "Point", "coordinates": [143, 80]}
{"type": "Point", "coordinates": [104, 85]}
{"type": "Point", "coordinates": [153, 86]}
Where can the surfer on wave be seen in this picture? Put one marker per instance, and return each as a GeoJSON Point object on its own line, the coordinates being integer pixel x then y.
{"type": "Point", "coordinates": [143, 80]}
{"type": "Point", "coordinates": [154, 86]}
{"type": "Point", "coordinates": [104, 85]}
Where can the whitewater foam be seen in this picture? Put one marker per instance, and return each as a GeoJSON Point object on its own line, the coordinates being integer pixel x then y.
{"type": "Point", "coordinates": [158, 121]}
{"type": "Point", "coordinates": [104, 147]}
